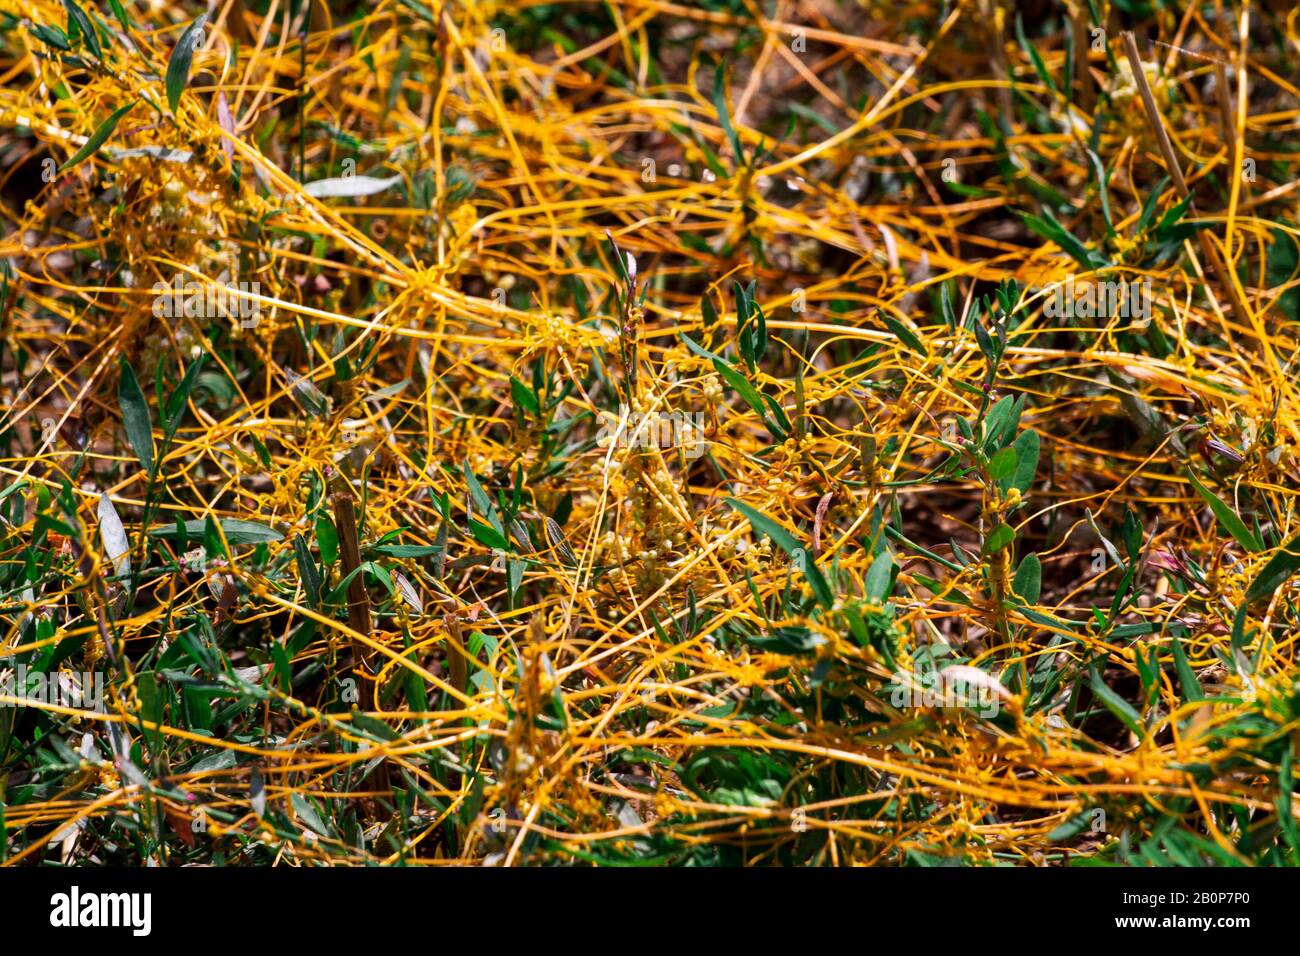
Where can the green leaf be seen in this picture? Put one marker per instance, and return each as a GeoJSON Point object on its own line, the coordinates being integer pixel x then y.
{"type": "Point", "coordinates": [407, 550]}
{"type": "Point", "coordinates": [998, 538]}
{"type": "Point", "coordinates": [146, 685]}
{"type": "Point", "coordinates": [778, 418]}
{"type": "Point", "coordinates": [1284, 563]}
{"type": "Point", "coordinates": [733, 377]}
{"type": "Point", "coordinates": [1047, 227]}
{"type": "Point", "coordinates": [751, 326]}
{"type": "Point", "coordinates": [380, 574]}
{"type": "Point", "coordinates": [327, 539]}
{"type": "Point", "coordinates": [904, 334]}
{"type": "Point", "coordinates": [79, 24]}
{"type": "Point", "coordinates": [787, 542]}
{"type": "Point", "coordinates": [988, 348]}
{"type": "Point", "coordinates": [52, 36]}
{"type": "Point", "coordinates": [120, 13]}
{"type": "Point", "coordinates": [697, 349]}
{"type": "Point", "coordinates": [787, 640]}
{"type": "Point", "coordinates": [1028, 582]}
{"type": "Point", "coordinates": [1151, 425]}
{"type": "Point", "coordinates": [708, 311]}
{"type": "Point", "coordinates": [1285, 793]}
{"type": "Point", "coordinates": [178, 65]}
{"type": "Point", "coordinates": [996, 422]}
{"type": "Point", "coordinates": [619, 262]}
{"type": "Point", "coordinates": [1039, 66]}
{"type": "Point", "coordinates": [307, 813]}
{"type": "Point", "coordinates": [221, 760]}
{"type": "Point", "coordinates": [340, 589]}
{"type": "Point", "coordinates": [488, 536]}
{"type": "Point", "coordinates": [1227, 517]}
{"type": "Point", "coordinates": [1191, 686]}
{"type": "Point", "coordinates": [98, 137]}
{"type": "Point", "coordinates": [483, 503]}
{"type": "Point", "coordinates": [1003, 463]}
{"type": "Point", "coordinates": [876, 586]}
{"type": "Point", "coordinates": [135, 416]}
{"type": "Point", "coordinates": [176, 402]}
{"type": "Point", "coordinates": [945, 307]}
{"type": "Point", "coordinates": [1071, 828]}
{"type": "Point", "coordinates": [236, 530]}
{"type": "Point", "coordinates": [741, 384]}
{"type": "Point", "coordinates": [523, 396]}
{"type": "Point", "coordinates": [724, 113]}
{"type": "Point", "coordinates": [514, 576]}
{"type": "Point", "coordinates": [307, 571]}
{"type": "Point", "coordinates": [965, 189]}
{"type": "Point", "coordinates": [373, 727]}
{"type": "Point", "coordinates": [1026, 446]}
{"type": "Point", "coordinates": [1116, 704]}
{"type": "Point", "coordinates": [763, 525]}
{"type": "Point", "coordinates": [800, 403]}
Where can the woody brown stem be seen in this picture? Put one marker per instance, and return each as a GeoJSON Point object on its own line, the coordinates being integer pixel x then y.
{"type": "Point", "coordinates": [1081, 42]}
{"type": "Point", "coordinates": [345, 520]}
{"type": "Point", "coordinates": [1226, 112]}
{"type": "Point", "coordinates": [350, 552]}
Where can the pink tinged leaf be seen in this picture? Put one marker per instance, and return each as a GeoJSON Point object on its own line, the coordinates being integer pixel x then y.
{"type": "Point", "coordinates": [822, 506]}
{"type": "Point", "coordinates": [227, 124]}
{"type": "Point", "coordinates": [1227, 451]}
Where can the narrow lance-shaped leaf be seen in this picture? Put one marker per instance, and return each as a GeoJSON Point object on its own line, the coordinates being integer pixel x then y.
{"type": "Point", "coordinates": [98, 137]}
{"type": "Point", "coordinates": [904, 334]}
{"type": "Point", "coordinates": [1281, 566]}
{"type": "Point", "coordinates": [724, 112]}
{"type": "Point", "coordinates": [175, 405]}
{"type": "Point", "coordinates": [787, 542]}
{"type": "Point", "coordinates": [556, 535]}
{"type": "Point", "coordinates": [77, 18]}
{"type": "Point", "coordinates": [1116, 704]}
{"type": "Point", "coordinates": [523, 396]}
{"type": "Point", "coordinates": [483, 503]}
{"type": "Point", "coordinates": [1226, 516]}
{"type": "Point", "coordinates": [120, 12]}
{"type": "Point", "coordinates": [619, 262]}
{"type": "Point", "coordinates": [52, 36]}
{"type": "Point", "coordinates": [135, 417]}
{"type": "Point", "coordinates": [236, 530]}
{"type": "Point", "coordinates": [1186, 676]}
{"type": "Point", "coordinates": [307, 572]}
{"type": "Point", "coordinates": [178, 66]}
